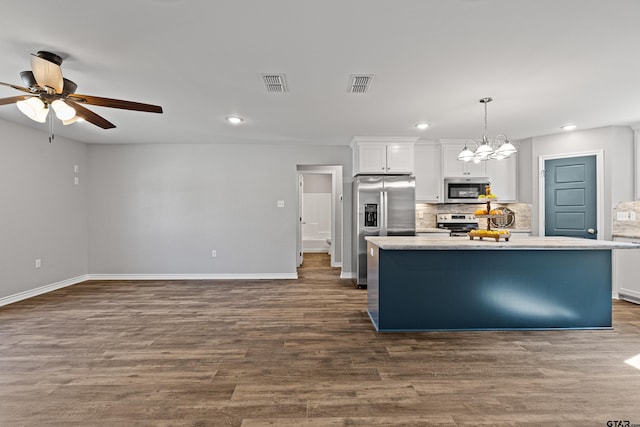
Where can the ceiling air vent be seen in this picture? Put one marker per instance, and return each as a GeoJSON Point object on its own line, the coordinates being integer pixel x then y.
{"type": "Point", "coordinates": [274, 83]}
{"type": "Point", "coordinates": [359, 83]}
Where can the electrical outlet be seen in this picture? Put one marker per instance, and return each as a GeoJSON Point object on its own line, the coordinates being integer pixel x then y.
{"type": "Point", "coordinates": [420, 214]}
{"type": "Point", "coordinates": [76, 168]}
{"type": "Point", "coordinates": [280, 203]}
{"type": "Point", "coordinates": [214, 253]}
{"type": "Point", "coordinates": [632, 216]}
{"type": "Point", "coordinates": [76, 180]}
{"type": "Point", "coordinates": [622, 216]}
{"type": "Point", "coordinates": [38, 263]}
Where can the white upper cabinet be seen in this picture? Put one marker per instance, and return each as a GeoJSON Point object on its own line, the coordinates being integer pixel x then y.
{"type": "Point", "coordinates": [454, 168]}
{"type": "Point", "coordinates": [372, 158]}
{"type": "Point", "coordinates": [429, 183]}
{"type": "Point", "coordinates": [503, 177]}
{"type": "Point", "coordinates": [383, 155]}
{"type": "Point", "coordinates": [400, 158]}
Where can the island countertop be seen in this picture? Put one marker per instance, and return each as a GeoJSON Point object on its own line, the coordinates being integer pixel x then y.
{"type": "Point", "coordinates": [520, 242]}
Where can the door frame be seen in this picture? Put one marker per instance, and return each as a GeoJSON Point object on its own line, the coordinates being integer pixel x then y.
{"type": "Point", "coordinates": [299, 252]}
{"type": "Point", "coordinates": [599, 187]}
{"type": "Point", "coordinates": [334, 203]}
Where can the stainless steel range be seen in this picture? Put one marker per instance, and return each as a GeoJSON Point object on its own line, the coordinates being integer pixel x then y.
{"type": "Point", "coordinates": [458, 224]}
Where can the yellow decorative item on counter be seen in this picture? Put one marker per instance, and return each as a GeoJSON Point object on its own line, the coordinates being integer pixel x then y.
{"type": "Point", "coordinates": [491, 234]}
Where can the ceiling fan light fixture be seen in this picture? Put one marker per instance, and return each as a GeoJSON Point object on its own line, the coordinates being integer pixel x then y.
{"type": "Point", "coordinates": [63, 110]}
{"type": "Point", "coordinates": [33, 108]}
{"type": "Point", "coordinates": [72, 120]}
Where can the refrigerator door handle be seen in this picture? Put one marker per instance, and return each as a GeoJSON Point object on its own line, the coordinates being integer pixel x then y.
{"type": "Point", "coordinates": [384, 207]}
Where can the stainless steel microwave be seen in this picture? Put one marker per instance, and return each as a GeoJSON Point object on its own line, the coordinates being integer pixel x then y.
{"type": "Point", "coordinates": [464, 190]}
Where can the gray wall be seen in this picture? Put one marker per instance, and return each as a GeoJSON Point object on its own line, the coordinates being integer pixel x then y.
{"type": "Point", "coordinates": [43, 214]}
{"type": "Point", "coordinates": [526, 172]}
{"type": "Point", "coordinates": [161, 209]}
{"type": "Point", "coordinates": [617, 145]}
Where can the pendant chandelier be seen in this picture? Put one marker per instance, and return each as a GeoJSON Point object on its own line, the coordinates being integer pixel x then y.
{"type": "Point", "coordinates": [499, 148]}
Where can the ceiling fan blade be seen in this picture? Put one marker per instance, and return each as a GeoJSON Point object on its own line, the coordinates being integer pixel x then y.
{"type": "Point", "coordinates": [5, 101]}
{"type": "Point", "coordinates": [24, 89]}
{"type": "Point", "coordinates": [47, 74]}
{"type": "Point", "coordinates": [115, 103]}
{"type": "Point", "coordinates": [90, 116]}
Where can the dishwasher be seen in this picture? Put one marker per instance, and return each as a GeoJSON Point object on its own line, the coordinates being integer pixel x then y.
{"type": "Point", "coordinates": [625, 271]}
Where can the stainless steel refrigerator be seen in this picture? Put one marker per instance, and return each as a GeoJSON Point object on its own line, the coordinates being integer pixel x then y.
{"type": "Point", "coordinates": [383, 206]}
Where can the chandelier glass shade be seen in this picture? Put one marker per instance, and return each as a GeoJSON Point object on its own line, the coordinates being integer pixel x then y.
{"type": "Point", "coordinates": [499, 148]}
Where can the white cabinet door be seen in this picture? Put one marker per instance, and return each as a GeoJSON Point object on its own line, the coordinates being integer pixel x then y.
{"type": "Point", "coordinates": [503, 177]}
{"type": "Point", "coordinates": [400, 158]}
{"type": "Point", "coordinates": [382, 155]}
{"type": "Point", "coordinates": [625, 271]}
{"type": "Point", "coordinates": [453, 168]}
{"type": "Point", "coordinates": [372, 158]}
{"type": "Point", "coordinates": [427, 170]}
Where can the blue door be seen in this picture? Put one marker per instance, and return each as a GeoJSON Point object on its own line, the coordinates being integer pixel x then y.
{"type": "Point", "coordinates": [570, 197]}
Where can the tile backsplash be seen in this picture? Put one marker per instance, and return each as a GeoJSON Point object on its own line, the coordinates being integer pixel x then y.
{"type": "Point", "coordinates": [428, 212]}
{"type": "Point", "coordinates": [624, 224]}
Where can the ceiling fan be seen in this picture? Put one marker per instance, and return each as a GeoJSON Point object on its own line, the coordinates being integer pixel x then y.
{"type": "Point", "coordinates": [46, 89]}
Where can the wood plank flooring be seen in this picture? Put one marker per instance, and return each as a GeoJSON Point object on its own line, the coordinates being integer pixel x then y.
{"type": "Point", "coordinates": [293, 353]}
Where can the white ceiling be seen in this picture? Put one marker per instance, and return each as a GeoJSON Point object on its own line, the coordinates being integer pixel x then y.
{"type": "Point", "coordinates": [545, 62]}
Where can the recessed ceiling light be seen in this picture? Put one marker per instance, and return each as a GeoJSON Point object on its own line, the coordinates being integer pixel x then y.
{"type": "Point", "coordinates": [234, 120]}
{"type": "Point", "coordinates": [568, 127]}
{"type": "Point", "coordinates": [422, 126]}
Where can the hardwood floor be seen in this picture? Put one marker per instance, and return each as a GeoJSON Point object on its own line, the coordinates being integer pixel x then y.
{"type": "Point", "coordinates": [290, 353]}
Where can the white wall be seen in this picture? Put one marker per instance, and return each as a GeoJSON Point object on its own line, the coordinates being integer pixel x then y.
{"type": "Point", "coordinates": [161, 209]}
{"type": "Point", "coordinates": [617, 145]}
{"type": "Point", "coordinates": [43, 214]}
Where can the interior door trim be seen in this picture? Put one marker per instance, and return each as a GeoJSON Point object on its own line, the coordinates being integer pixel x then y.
{"type": "Point", "coordinates": [599, 187]}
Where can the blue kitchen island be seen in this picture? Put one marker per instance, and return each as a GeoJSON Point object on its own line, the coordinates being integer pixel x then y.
{"type": "Point", "coordinates": [442, 284]}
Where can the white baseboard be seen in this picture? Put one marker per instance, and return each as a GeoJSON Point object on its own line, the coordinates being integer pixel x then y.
{"type": "Point", "coordinates": [241, 276]}
{"type": "Point", "coordinates": [347, 275]}
{"type": "Point", "coordinates": [315, 250]}
{"type": "Point", "coordinates": [75, 280]}
{"type": "Point", "coordinates": [42, 290]}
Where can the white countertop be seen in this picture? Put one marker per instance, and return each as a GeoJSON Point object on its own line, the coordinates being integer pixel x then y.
{"type": "Point", "coordinates": [515, 242]}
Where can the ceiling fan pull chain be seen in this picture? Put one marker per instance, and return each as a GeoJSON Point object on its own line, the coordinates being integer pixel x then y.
{"type": "Point", "coordinates": [51, 135]}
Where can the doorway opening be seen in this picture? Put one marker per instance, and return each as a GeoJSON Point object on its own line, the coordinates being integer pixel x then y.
{"type": "Point", "coordinates": [567, 203]}
{"type": "Point", "coordinates": [319, 220]}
